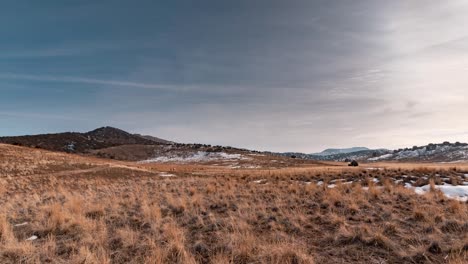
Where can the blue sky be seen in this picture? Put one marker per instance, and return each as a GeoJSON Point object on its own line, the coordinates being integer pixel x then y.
{"type": "Point", "coordinates": [265, 74]}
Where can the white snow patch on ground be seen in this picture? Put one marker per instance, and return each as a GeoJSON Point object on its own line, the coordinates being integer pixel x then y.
{"type": "Point", "coordinates": [260, 181]}
{"type": "Point", "coordinates": [32, 238]}
{"type": "Point", "coordinates": [22, 224]}
{"type": "Point", "coordinates": [458, 192]}
{"type": "Point", "coordinates": [252, 167]}
{"type": "Point", "coordinates": [374, 168]}
{"type": "Point", "coordinates": [199, 156]}
{"type": "Point", "coordinates": [335, 180]}
{"type": "Point", "coordinates": [237, 166]}
{"type": "Point", "coordinates": [451, 162]}
{"type": "Point", "coordinates": [165, 174]}
{"type": "Point", "coordinates": [376, 187]}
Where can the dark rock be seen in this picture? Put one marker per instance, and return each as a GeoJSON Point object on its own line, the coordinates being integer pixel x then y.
{"type": "Point", "coordinates": [435, 248]}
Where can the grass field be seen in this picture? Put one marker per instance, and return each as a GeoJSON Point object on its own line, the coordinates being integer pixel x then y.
{"type": "Point", "coordinates": [60, 208]}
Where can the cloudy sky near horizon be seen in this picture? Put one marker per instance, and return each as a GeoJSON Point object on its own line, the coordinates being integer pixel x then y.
{"type": "Point", "coordinates": [295, 75]}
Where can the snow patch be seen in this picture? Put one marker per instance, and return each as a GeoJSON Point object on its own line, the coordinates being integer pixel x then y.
{"type": "Point", "coordinates": [376, 187]}
{"type": "Point", "coordinates": [32, 238]}
{"type": "Point", "coordinates": [457, 192]}
{"type": "Point", "coordinates": [71, 147]}
{"type": "Point", "coordinates": [335, 180]}
{"type": "Point", "coordinates": [200, 156]}
{"type": "Point", "coordinates": [260, 181]}
{"type": "Point", "coordinates": [374, 168]}
{"type": "Point", "coordinates": [386, 156]}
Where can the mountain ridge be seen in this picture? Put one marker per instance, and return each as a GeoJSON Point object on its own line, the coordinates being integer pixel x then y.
{"type": "Point", "coordinates": [76, 142]}
{"type": "Point", "coordinates": [333, 151]}
{"type": "Point", "coordinates": [102, 142]}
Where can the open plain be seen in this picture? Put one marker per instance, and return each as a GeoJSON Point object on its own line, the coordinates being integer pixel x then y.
{"type": "Point", "coordinates": [66, 208]}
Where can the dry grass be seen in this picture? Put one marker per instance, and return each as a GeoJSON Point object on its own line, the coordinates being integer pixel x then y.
{"type": "Point", "coordinates": [127, 213]}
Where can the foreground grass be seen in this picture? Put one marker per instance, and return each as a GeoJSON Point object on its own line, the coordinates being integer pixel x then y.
{"type": "Point", "coordinates": [120, 215]}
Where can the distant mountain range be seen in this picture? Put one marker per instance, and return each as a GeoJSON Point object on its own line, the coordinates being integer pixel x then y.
{"type": "Point", "coordinates": [334, 151]}
{"type": "Point", "coordinates": [359, 154]}
{"type": "Point", "coordinates": [443, 152]}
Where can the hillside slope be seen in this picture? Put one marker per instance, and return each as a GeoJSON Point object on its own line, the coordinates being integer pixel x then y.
{"type": "Point", "coordinates": [75, 142]}
{"type": "Point", "coordinates": [444, 152]}
{"type": "Point", "coordinates": [334, 151]}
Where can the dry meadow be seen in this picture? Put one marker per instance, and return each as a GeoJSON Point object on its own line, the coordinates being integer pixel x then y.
{"type": "Point", "coordinates": [60, 208]}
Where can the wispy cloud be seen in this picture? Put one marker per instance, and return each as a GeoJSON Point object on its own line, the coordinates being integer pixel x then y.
{"type": "Point", "coordinates": [275, 75]}
{"type": "Point", "coordinates": [69, 79]}
{"type": "Point", "coordinates": [77, 48]}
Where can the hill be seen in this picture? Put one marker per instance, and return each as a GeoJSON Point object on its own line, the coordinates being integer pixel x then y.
{"type": "Point", "coordinates": [75, 142]}
{"type": "Point", "coordinates": [443, 152]}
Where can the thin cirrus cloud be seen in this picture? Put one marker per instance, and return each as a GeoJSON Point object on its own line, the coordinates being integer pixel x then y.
{"type": "Point", "coordinates": [68, 79]}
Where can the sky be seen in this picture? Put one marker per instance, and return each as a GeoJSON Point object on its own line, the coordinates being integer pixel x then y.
{"type": "Point", "coordinates": [296, 75]}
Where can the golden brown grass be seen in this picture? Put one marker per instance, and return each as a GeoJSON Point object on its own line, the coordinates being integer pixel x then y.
{"type": "Point", "coordinates": [127, 213]}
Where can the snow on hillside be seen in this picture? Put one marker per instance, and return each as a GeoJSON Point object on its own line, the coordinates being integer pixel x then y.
{"type": "Point", "coordinates": [385, 156]}
{"type": "Point", "coordinates": [200, 156]}
{"type": "Point", "coordinates": [434, 152]}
